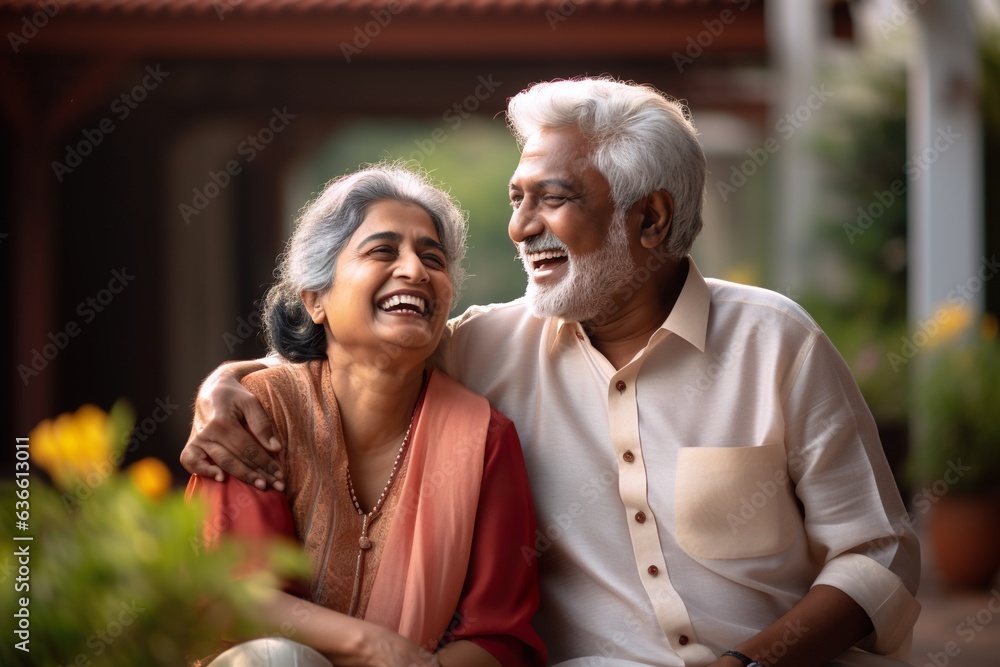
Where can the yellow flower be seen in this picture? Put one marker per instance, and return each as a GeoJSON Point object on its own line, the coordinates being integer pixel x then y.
{"type": "Point", "coordinates": [952, 322]}
{"type": "Point", "coordinates": [74, 448]}
{"type": "Point", "coordinates": [152, 477]}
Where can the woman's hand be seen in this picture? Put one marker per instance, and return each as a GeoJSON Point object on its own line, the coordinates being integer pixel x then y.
{"type": "Point", "coordinates": [344, 640]}
{"type": "Point", "coordinates": [381, 647]}
{"type": "Point", "coordinates": [231, 433]}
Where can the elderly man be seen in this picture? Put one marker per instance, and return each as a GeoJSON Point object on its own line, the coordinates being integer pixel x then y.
{"type": "Point", "coordinates": [709, 485]}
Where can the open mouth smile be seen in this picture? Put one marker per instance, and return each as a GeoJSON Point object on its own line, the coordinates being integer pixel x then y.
{"type": "Point", "coordinates": [544, 262]}
{"type": "Point", "coordinates": [404, 304]}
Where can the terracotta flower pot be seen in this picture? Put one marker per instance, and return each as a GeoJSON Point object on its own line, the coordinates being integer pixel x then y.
{"type": "Point", "coordinates": [964, 533]}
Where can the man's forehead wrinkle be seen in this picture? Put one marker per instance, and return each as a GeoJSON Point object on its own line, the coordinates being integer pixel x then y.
{"type": "Point", "coordinates": [583, 162]}
{"type": "Point", "coordinates": [563, 170]}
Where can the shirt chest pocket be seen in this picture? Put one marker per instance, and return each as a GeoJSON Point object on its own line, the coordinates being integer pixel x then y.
{"type": "Point", "coordinates": [735, 502]}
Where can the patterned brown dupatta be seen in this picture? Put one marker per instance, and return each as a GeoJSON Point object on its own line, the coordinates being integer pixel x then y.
{"type": "Point", "coordinates": [427, 550]}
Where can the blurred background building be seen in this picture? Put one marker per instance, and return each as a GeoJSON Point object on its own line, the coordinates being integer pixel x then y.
{"type": "Point", "coordinates": [173, 142]}
{"type": "Point", "coordinates": [157, 153]}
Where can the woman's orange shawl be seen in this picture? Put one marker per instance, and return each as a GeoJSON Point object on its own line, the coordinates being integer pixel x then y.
{"type": "Point", "coordinates": [423, 538]}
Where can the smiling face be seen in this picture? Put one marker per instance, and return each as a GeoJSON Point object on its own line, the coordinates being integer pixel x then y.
{"type": "Point", "coordinates": [574, 247]}
{"type": "Point", "coordinates": [391, 291]}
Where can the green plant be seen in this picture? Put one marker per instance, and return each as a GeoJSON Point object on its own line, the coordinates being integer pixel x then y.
{"type": "Point", "coordinates": [110, 568]}
{"type": "Point", "coordinates": [859, 228]}
{"type": "Point", "coordinates": [956, 403]}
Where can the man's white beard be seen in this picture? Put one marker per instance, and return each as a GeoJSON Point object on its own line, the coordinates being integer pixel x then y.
{"type": "Point", "coordinates": [592, 281]}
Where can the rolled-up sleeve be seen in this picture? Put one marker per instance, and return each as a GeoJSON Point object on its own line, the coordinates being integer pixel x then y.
{"type": "Point", "coordinates": [855, 519]}
{"type": "Point", "coordinates": [881, 593]}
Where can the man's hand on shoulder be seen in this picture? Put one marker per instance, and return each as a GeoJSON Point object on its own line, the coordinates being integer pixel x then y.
{"type": "Point", "coordinates": [231, 433]}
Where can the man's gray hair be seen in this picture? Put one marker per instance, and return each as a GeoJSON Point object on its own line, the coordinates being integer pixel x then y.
{"type": "Point", "coordinates": [641, 141]}
{"type": "Point", "coordinates": [323, 230]}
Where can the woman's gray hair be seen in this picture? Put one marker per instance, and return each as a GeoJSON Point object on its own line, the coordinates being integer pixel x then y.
{"type": "Point", "coordinates": [641, 142]}
{"type": "Point", "coordinates": [323, 230]}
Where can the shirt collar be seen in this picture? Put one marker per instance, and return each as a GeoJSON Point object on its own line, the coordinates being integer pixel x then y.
{"type": "Point", "coordinates": [687, 319]}
{"type": "Point", "coordinates": [689, 316]}
{"type": "Point", "coordinates": [564, 331]}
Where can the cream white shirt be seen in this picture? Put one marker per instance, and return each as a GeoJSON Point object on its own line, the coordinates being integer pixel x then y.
{"type": "Point", "coordinates": [689, 499]}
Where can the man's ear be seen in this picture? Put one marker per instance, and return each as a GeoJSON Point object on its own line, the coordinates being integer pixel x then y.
{"type": "Point", "coordinates": [314, 305]}
{"type": "Point", "coordinates": [657, 214]}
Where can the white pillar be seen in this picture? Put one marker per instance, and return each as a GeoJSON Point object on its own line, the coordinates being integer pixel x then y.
{"type": "Point", "coordinates": [945, 234]}
{"type": "Point", "coordinates": [794, 31]}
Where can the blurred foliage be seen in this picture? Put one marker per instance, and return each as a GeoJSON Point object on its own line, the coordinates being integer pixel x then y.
{"type": "Point", "coordinates": [862, 228]}
{"type": "Point", "coordinates": [115, 573]}
{"type": "Point", "coordinates": [956, 407]}
{"type": "Point", "coordinates": [956, 400]}
{"type": "Point", "coordinates": [474, 161]}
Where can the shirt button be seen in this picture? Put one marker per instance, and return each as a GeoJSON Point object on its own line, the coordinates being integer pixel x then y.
{"type": "Point", "coordinates": [640, 517]}
{"type": "Point", "coordinates": [628, 456]}
{"type": "Point", "coordinates": [620, 386]}
{"type": "Point", "coordinates": [653, 570]}
{"type": "Point", "coordinates": [683, 640]}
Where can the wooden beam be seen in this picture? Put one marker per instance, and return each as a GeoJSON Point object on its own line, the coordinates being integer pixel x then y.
{"type": "Point", "coordinates": [702, 29]}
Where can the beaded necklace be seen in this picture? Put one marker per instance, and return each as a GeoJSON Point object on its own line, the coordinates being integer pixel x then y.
{"type": "Point", "coordinates": [364, 542]}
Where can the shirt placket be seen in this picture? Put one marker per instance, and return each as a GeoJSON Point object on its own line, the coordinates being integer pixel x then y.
{"type": "Point", "coordinates": [671, 614]}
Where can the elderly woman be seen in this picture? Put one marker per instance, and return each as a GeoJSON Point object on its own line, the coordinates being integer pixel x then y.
{"type": "Point", "coordinates": [407, 490]}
